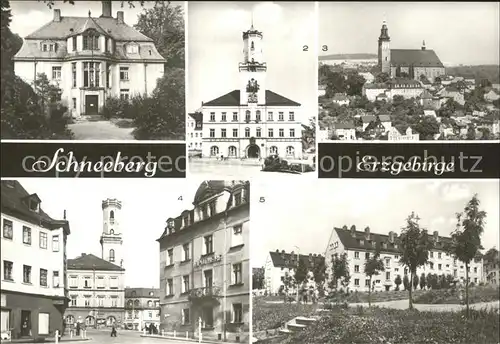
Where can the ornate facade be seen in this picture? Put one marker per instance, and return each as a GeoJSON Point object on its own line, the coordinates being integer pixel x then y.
{"type": "Point", "coordinates": [252, 121]}
{"type": "Point", "coordinates": [204, 263]}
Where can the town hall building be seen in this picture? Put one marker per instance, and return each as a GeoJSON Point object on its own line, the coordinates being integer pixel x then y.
{"type": "Point", "coordinates": [96, 284]}
{"type": "Point", "coordinates": [91, 59]}
{"type": "Point", "coordinates": [252, 121]}
{"type": "Point", "coordinates": [413, 62]}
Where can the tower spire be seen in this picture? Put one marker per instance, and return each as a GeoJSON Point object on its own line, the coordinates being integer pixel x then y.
{"type": "Point", "coordinates": [251, 27]}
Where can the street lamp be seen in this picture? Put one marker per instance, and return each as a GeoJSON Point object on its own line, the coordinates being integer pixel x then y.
{"type": "Point", "coordinates": [296, 282]}
{"type": "Point", "coordinates": [95, 311]}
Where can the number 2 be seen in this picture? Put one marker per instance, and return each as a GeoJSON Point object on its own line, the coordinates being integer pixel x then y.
{"type": "Point", "coordinates": [305, 48]}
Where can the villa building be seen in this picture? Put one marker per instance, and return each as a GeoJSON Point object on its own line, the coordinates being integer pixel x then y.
{"type": "Point", "coordinates": [194, 129]}
{"type": "Point", "coordinates": [360, 245]}
{"type": "Point", "coordinates": [91, 59]}
{"type": "Point", "coordinates": [252, 121]}
{"type": "Point", "coordinates": [33, 287]}
{"type": "Point", "coordinates": [204, 263]}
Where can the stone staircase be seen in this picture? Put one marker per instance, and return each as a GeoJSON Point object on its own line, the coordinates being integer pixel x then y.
{"type": "Point", "coordinates": [298, 324]}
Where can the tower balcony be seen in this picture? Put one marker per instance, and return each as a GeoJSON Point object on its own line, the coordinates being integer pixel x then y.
{"type": "Point", "coordinates": [252, 66]}
{"type": "Point", "coordinates": [206, 293]}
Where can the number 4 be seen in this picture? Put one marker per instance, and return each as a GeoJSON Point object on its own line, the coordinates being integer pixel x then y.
{"type": "Point", "coordinates": [180, 198]}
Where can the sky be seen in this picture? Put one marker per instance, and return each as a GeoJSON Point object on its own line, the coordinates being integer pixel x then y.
{"type": "Point", "coordinates": [304, 214]}
{"type": "Point", "coordinates": [459, 32]}
{"type": "Point", "coordinates": [146, 206]}
{"type": "Point", "coordinates": [29, 16]}
{"type": "Point", "coordinates": [215, 47]}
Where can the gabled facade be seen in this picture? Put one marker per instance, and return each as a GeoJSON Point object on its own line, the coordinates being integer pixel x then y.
{"type": "Point", "coordinates": [91, 59]}
{"type": "Point", "coordinates": [252, 121]}
{"type": "Point", "coordinates": [360, 245]}
{"type": "Point", "coordinates": [33, 287]}
{"type": "Point", "coordinates": [194, 131]}
{"type": "Point", "coordinates": [204, 263]}
{"type": "Point", "coordinates": [279, 263]}
{"type": "Point", "coordinates": [142, 308]}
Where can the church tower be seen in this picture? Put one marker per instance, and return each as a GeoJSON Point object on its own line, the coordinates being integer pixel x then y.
{"type": "Point", "coordinates": [111, 238]}
{"type": "Point", "coordinates": [384, 50]}
{"type": "Point", "coordinates": [252, 69]}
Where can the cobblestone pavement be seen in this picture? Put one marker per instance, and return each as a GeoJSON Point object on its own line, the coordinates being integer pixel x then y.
{"type": "Point", "coordinates": [101, 130]}
{"type": "Point", "coordinates": [124, 337]}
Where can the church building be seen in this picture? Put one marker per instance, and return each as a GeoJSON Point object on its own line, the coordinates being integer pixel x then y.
{"type": "Point", "coordinates": [413, 62]}
{"type": "Point", "coordinates": [96, 284]}
{"type": "Point", "coordinates": [252, 121]}
{"type": "Point", "coordinates": [91, 59]}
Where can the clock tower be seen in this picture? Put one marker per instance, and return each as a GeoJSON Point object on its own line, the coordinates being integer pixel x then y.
{"type": "Point", "coordinates": [111, 238]}
{"type": "Point", "coordinates": [252, 69]}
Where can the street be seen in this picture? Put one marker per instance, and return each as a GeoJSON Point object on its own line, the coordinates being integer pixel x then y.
{"type": "Point", "coordinates": [124, 337]}
{"type": "Point", "coordinates": [100, 130]}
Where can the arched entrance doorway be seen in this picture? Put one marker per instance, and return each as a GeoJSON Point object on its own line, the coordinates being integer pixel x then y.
{"type": "Point", "coordinates": [110, 320]}
{"type": "Point", "coordinates": [90, 321]}
{"type": "Point", "coordinates": [253, 151]}
{"type": "Point", "coordinates": [70, 319]}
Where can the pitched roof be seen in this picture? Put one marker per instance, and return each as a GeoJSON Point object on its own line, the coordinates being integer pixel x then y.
{"type": "Point", "coordinates": [91, 262]}
{"type": "Point", "coordinates": [349, 125]}
{"type": "Point", "coordinates": [142, 292]}
{"type": "Point", "coordinates": [15, 202]}
{"type": "Point", "coordinates": [111, 26]}
{"type": "Point", "coordinates": [359, 240]}
{"type": "Point", "coordinates": [340, 97]}
{"type": "Point", "coordinates": [233, 99]}
{"type": "Point", "coordinates": [197, 116]}
{"type": "Point", "coordinates": [281, 259]}
{"type": "Point", "coordinates": [370, 118]}
{"type": "Point", "coordinates": [403, 81]}
{"type": "Point", "coordinates": [415, 57]}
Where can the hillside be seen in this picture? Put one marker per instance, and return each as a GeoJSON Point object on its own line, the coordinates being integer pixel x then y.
{"type": "Point", "coordinates": [358, 56]}
{"type": "Point", "coordinates": [490, 72]}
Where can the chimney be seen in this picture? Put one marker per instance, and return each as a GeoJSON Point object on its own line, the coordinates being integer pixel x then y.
{"type": "Point", "coordinates": [436, 236]}
{"type": "Point", "coordinates": [119, 17]}
{"type": "Point", "coordinates": [277, 251]}
{"type": "Point", "coordinates": [106, 9]}
{"type": "Point", "coordinates": [57, 15]}
{"type": "Point", "coordinates": [367, 233]}
{"type": "Point", "coordinates": [84, 254]}
{"type": "Point", "coordinates": [64, 215]}
{"type": "Point", "coordinates": [423, 45]}
{"type": "Point", "coordinates": [391, 237]}
{"type": "Point", "coordinates": [353, 230]}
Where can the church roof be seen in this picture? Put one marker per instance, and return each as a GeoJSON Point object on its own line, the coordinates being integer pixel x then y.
{"type": "Point", "coordinates": [233, 99]}
{"type": "Point", "coordinates": [60, 30]}
{"type": "Point", "coordinates": [91, 262]}
{"type": "Point", "coordinates": [415, 58]}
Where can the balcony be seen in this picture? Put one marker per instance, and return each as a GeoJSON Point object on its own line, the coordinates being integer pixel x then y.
{"type": "Point", "coordinates": [206, 293]}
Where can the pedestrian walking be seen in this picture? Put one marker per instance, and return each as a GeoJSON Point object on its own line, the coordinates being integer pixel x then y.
{"type": "Point", "coordinates": [113, 331]}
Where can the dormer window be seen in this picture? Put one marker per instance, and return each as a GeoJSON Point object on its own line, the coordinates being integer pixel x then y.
{"type": "Point", "coordinates": [49, 47]}
{"type": "Point", "coordinates": [132, 49]}
{"type": "Point", "coordinates": [237, 199]}
{"type": "Point", "coordinates": [90, 41]}
{"type": "Point", "coordinates": [185, 221]}
{"type": "Point", "coordinates": [34, 205]}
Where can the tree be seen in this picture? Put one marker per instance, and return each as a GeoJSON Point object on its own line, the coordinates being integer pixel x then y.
{"type": "Point", "coordinates": [471, 132]}
{"type": "Point", "coordinates": [415, 247]}
{"type": "Point", "coordinates": [354, 84]}
{"type": "Point", "coordinates": [258, 278]}
{"type": "Point", "coordinates": [466, 239]}
{"type": "Point", "coordinates": [309, 134]}
{"type": "Point", "coordinates": [423, 78]}
{"type": "Point", "coordinates": [427, 127]}
{"type": "Point", "coordinates": [398, 282]}
{"type": "Point", "coordinates": [422, 281]}
{"type": "Point", "coordinates": [428, 280]}
{"type": "Point", "coordinates": [437, 80]}
{"type": "Point", "coordinates": [373, 267]}
{"type": "Point", "coordinates": [415, 282]}
{"type": "Point", "coordinates": [406, 282]}
{"type": "Point", "coordinates": [335, 83]}
{"type": "Point", "coordinates": [288, 283]}
{"type": "Point", "coordinates": [339, 270]}
{"type": "Point", "coordinates": [163, 117]}
{"type": "Point", "coordinates": [491, 256]}
{"type": "Point", "coordinates": [164, 23]}
{"type": "Point", "coordinates": [301, 273]}
{"type": "Point", "coordinates": [382, 78]}
{"type": "Point", "coordinates": [319, 272]}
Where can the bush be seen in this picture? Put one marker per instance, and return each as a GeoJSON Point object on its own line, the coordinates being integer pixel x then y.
{"type": "Point", "coordinates": [452, 296]}
{"type": "Point", "coordinates": [382, 325]}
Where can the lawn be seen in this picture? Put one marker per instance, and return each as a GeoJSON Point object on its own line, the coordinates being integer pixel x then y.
{"type": "Point", "coordinates": [362, 297]}
{"type": "Point", "coordinates": [380, 325]}
{"type": "Point", "coordinates": [267, 316]}
{"type": "Point", "coordinates": [451, 296]}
